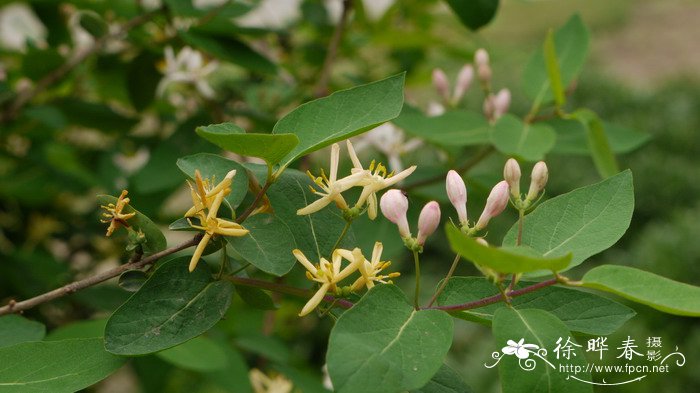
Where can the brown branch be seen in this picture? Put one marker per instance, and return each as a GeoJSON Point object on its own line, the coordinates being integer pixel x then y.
{"type": "Point", "coordinates": [135, 263]}
{"type": "Point", "coordinates": [24, 97]}
{"type": "Point", "coordinates": [286, 289]}
{"type": "Point", "coordinates": [480, 156]}
{"type": "Point", "coordinates": [322, 84]}
{"type": "Point", "coordinates": [495, 298]}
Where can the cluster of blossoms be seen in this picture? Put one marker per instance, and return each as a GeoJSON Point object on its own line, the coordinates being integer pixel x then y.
{"type": "Point", "coordinates": [206, 200]}
{"type": "Point", "coordinates": [394, 206]}
{"type": "Point", "coordinates": [538, 179]}
{"type": "Point", "coordinates": [330, 274]}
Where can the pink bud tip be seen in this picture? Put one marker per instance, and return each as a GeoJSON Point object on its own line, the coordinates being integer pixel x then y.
{"type": "Point", "coordinates": [464, 80]}
{"type": "Point", "coordinates": [495, 204]}
{"type": "Point", "coordinates": [511, 173]}
{"type": "Point", "coordinates": [457, 193]}
{"type": "Point", "coordinates": [538, 180]}
{"type": "Point", "coordinates": [441, 84]}
{"type": "Point", "coordinates": [481, 57]}
{"type": "Point", "coordinates": [501, 103]}
{"type": "Point", "coordinates": [394, 205]}
{"type": "Point", "coordinates": [428, 221]}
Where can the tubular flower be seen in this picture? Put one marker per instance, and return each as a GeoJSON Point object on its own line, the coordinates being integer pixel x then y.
{"type": "Point", "coordinates": [114, 215]}
{"type": "Point", "coordinates": [373, 180]}
{"type": "Point", "coordinates": [370, 270]}
{"type": "Point", "coordinates": [209, 222]}
{"type": "Point", "coordinates": [262, 383]}
{"type": "Point", "coordinates": [325, 273]}
{"type": "Point", "coordinates": [331, 187]}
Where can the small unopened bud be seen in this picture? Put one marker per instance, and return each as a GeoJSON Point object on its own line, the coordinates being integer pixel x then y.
{"type": "Point", "coordinates": [457, 193]}
{"type": "Point", "coordinates": [464, 80]}
{"type": "Point", "coordinates": [394, 205]}
{"type": "Point", "coordinates": [428, 221]}
{"type": "Point", "coordinates": [495, 204]}
{"type": "Point", "coordinates": [511, 173]}
{"type": "Point", "coordinates": [538, 180]}
{"type": "Point", "coordinates": [482, 241]}
{"type": "Point", "coordinates": [481, 57]}
{"type": "Point", "coordinates": [484, 73]}
{"type": "Point", "coordinates": [501, 103]}
{"type": "Point", "coordinates": [441, 84]}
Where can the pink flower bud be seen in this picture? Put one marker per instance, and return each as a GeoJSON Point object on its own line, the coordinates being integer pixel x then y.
{"type": "Point", "coordinates": [511, 172]}
{"type": "Point", "coordinates": [428, 221]}
{"type": "Point", "coordinates": [481, 57]}
{"type": "Point", "coordinates": [441, 84]}
{"type": "Point", "coordinates": [394, 205]}
{"type": "Point", "coordinates": [538, 180]}
{"type": "Point", "coordinates": [457, 193]}
{"type": "Point", "coordinates": [484, 73]}
{"type": "Point", "coordinates": [482, 241]}
{"type": "Point", "coordinates": [495, 204]}
{"type": "Point", "coordinates": [501, 103]}
{"type": "Point", "coordinates": [464, 80]}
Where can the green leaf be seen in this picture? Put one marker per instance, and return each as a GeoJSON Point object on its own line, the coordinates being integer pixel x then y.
{"type": "Point", "coordinates": [572, 137]}
{"type": "Point", "coordinates": [270, 147]}
{"type": "Point", "coordinates": [542, 329]}
{"type": "Point", "coordinates": [582, 222]}
{"type": "Point", "coordinates": [314, 234]}
{"type": "Point", "coordinates": [132, 280]}
{"type": "Point", "coordinates": [227, 48]}
{"type": "Point", "coordinates": [553, 72]}
{"type": "Point", "coordinates": [93, 23]}
{"type": "Point", "coordinates": [155, 240]}
{"type": "Point", "coordinates": [603, 156]}
{"type": "Point", "coordinates": [15, 329]}
{"type": "Point", "coordinates": [256, 297]}
{"type": "Point", "coordinates": [212, 166]}
{"type": "Point", "coordinates": [342, 115]}
{"type": "Point", "coordinates": [383, 345]}
{"type": "Point", "coordinates": [172, 307]}
{"type": "Point", "coordinates": [268, 246]}
{"type": "Point", "coordinates": [474, 14]}
{"type": "Point", "coordinates": [234, 376]}
{"type": "Point", "coordinates": [199, 354]}
{"type": "Point", "coordinates": [580, 311]}
{"type": "Point", "coordinates": [504, 259]}
{"type": "Point", "coordinates": [271, 348]}
{"type": "Point", "coordinates": [446, 380]}
{"type": "Point", "coordinates": [142, 78]}
{"type": "Point", "coordinates": [82, 329]}
{"type": "Point", "coordinates": [453, 128]}
{"type": "Point", "coordinates": [512, 137]}
{"type": "Point", "coordinates": [94, 115]}
{"type": "Point", "coordinates": [38, 63]}
{"type": "Point", "coordinates": [55, 366]}
{"type": "Point", "coordinates": [571, 45]}
{"type": "Point", "coordinates": [643, 287]}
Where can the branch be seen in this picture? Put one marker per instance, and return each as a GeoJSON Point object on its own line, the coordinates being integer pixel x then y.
{"type": "Point", "coordinates": [480, 156]}
{"type": "Point", "coordinates": [286, 289]}
{"type": "Point", "coordinates": [495, 298]}
{"type": "Point", "coordinates": [24, 97]}
{"type": "Point", "coordinates": [322, 84]}
{"type": "Point", "coordinates": [136, 263]}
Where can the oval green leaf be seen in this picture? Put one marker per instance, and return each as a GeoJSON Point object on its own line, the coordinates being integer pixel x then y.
{"type": "Point", "coordinates": [383, 345]}
{"type": "Point", "coordinates": [55, 366]}
{"type": "Point", "coordinates": [15, 329]}
{"type": "Point", "coordinates": [199, 354]}
{"type": "Point", "coordinates": [446, 380]}
{"type": "Point", "coordinates": [504, 259]}
{"type": "Point", "coordinates": [172, 307]}
{"type": "Point", "coordinates": [341, 115]}
{"type": "Point", "coordinates": [270, 147]}
{"type": "Point", "coordinates": [453, 128]}
{"type": "Point", "coordinates": [268, 246]}
{"type": "Point", "coordinates": [474, 14]}
{"type": "Point", "coordinates": [512, 137]}
{"type": "Point", "coordinates": [643, 287]}
{"type": "Point", "coordinates": [582, 222]}
{"type": "Point", "coordinates": [155, 240]}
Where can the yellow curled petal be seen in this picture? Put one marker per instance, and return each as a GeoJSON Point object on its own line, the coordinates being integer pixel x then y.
{"type": "Point", "coordinates": [315, 300]}
{"type": "Point", "coordinates": [198, 251]}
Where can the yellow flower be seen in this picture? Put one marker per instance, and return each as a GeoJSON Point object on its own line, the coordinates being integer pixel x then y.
{"type": "Point", "coordinates": [374, 179]}
{"type": "Point", "coordinates": [263, 383]}
{"type": "Point", "coordinates": [114, 215]}
{"type": "Point", "coordinates": [209, 222]}
{"type": "Point", "coordinates": [325, 273]}
{"type": "Point", "coordinates": [331, 187]}
{"type": "Point", "coordinates": [369, 269]}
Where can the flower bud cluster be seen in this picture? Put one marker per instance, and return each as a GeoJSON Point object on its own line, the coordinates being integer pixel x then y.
{"type": "Point", "coordinates": [457, 193]}
{"type": "Point", "coordinates": [495, 105]}
{"type": "Point", "coordinates": [394, 206]}
{"type": "Point", "coordinates": [442, 84]}
{"type": "Point", "coordinates": [538, 180]}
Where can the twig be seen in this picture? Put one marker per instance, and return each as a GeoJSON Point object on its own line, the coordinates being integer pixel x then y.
{"type": "Point", "coordinates": [285, 289]}
{"type": "Point", "coordinates": [444, 282]}
{"type": "Point", "coordinates": [255, 203]}
{"type": "Point", "coordinates": [13, 306]}
{"type": "Point", "coordinates": [496, 298]}
{"type": "Point", "coordinates": [480, 156]}
{"type": "Point", "coordinates": [24, 97]}
{"type": "Point", "coordinates": [322, 84]}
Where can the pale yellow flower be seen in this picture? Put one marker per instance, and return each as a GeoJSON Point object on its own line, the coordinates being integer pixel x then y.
{"type": "Point", "coordinates": [331, 187]}
{"type": "Point", "coordinates": [325, 273]}
{"type": "Point", "coordinates": [203, 194]}
{"type": "Point", "coordinates": [369, 269]}
{"type": "Point", "coordinates": [114, 215]}
{"type": "Point", "coordinates": [263, 383]}
{"type": "Point", "coordinates": [373, 180]}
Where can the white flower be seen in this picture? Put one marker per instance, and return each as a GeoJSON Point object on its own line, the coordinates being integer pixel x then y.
{"type": "Point", "coordinates": [188, 67]}
{"type": "Point", "coordinates": [328, 274]}
{"type": "Point", "coordinates": [519, 349]}
{"type": "Point", "coordinates": [390, 140]}
{"type": "Point", "coordinates": [18, 25]}
{"type": "Point", "coordinates": [271, 14]}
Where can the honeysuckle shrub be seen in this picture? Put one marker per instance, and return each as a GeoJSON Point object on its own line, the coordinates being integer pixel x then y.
{"type": "Point", "coordinates": [276, 248]}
